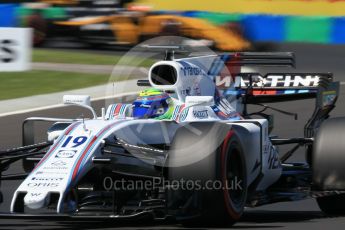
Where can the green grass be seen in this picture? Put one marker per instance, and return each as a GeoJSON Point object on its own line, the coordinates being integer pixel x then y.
{"type": "Point", "coordinates": [22, 84]}
{"type": "Point", "coordinates": [82, 57]}
{"type": "Point", "coordinates": [35, 82]}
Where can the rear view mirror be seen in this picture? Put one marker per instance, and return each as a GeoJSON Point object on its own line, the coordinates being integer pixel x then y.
{"type": "Point", "coordinates": [80, 100]}
{"type": "Point", "coordinates": [77, 100]}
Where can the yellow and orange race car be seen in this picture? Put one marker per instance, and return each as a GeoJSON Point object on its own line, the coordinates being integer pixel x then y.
{"type": "Point", "coordinates": [130, 28]}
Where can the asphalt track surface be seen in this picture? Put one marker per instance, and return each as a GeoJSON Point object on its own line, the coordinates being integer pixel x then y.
{"type": "Point", "coordinates": [292, 215]}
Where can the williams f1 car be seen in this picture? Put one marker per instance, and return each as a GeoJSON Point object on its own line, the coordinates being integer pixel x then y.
{"type": "Point", "coordinates": [186, 148]}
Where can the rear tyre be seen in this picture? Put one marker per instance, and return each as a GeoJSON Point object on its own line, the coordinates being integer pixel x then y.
{"type": "Point", "coordinates": [328, 161]}
{"type": "Point", "coordinates": [328, 157]}
{"type": "Point", "coordinates": [222, 202]}
{"type": "Point", "coordinates": [332, 205]}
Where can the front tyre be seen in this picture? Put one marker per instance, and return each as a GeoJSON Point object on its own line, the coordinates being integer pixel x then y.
{"type": "Point", "coordinates": [211, 205]}
{"type": "Point", "coordinates": [332, 205]}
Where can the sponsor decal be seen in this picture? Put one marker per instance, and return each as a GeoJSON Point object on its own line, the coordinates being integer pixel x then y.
{"type": "Point", "coordinates": [201, 114]}
{"type": "Point", "coordinates": [35, 194]}
{"type": "Point", "coordinates": [15, 49]}
{"type": "Point", "coordinates": [58, 163]}
{"type": "Point", "coordinates": [183, 114]}
{"type": "Point", "coordinates": [66, 154]}
{"type": "Point", "coordinates": [8, 53]}
{"type": "Point", "coordinates": [51, 172]}
{"type": "Point", "coordinates": [328, 97]}
{"type": "Point", "coordinates": [196, 88]}
{"type": "Point", "coordinates": [270, 80]}
{"type": "Point", "coordinates": [96, 27]}
{"type": "Point", "coordinates": [43, 185]}
{"type": "Point", "coordinates": [186, 92]}
{"type": "Point", "coordinates": [191, 71]}
{"type": "Point", "coordinates": [54, 168]}
{"type": "Point", "coordinates": [223, 82]}
{"type": "Point", "coordinates": [76, 141]}
{"type": "Point", "coordinates": [273, 159]}
{"type": "Point", "coordinates": [46, 179]}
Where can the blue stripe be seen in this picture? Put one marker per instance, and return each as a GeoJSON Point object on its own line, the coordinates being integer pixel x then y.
{"type": "Point", "coordinates": [89, 151]}
{"type": "Point", "coordinates": [177, 108]}
{"type": "Point", "coordinates": [218, 64]}
{"type": "Point", "coordinates": [113, 110]}
{"type": "Point", "coordinates": [303, 91]}
{"type": "Point", "coordinates": [232, 92]}
{"type": "Point", "coordinates": [184, 64]}
{"type": "Point", "coordinates": [289, 91]}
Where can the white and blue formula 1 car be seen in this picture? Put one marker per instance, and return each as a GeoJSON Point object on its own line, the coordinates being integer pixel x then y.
{"type": "Point", "coordinates": [185, 148]}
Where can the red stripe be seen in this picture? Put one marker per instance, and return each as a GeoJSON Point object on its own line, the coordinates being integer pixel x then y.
{"type": "Point", "coordinates": [220, 113]}
{"type": "Point", "coordinates": [81, 159]}
{"type": "Point", "coordinates": [225, 145]}
{"type": "Point", "coordinates": [105, 129]}
{"type": "Point", "coordinates": [70, 129]}
{"type": "Point", "coordinates": [55, 145]}
{"type": "Point", "coordinates": [179, 112]}
{"type": "Point", "coordinates": [182, 107]}
{"type": "Point", "coordinates": [117, 109]}
{"type": "Point", "coordinates": [87, 149]}
{"type": "Point", "coordinates": [264, 92]}
{"type": "Point", "coordinates": [46, 156]}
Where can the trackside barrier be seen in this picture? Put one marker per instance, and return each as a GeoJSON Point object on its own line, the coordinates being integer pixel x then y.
{"type": "Point", "coordinates": [7, 15]}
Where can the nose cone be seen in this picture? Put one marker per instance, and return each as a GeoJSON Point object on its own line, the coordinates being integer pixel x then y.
{"type": "Point", "coordinates": [36, 200]}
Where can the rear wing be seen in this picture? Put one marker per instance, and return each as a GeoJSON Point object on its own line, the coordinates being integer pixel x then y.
{"type": "Point", "coordinates": [274, 87]}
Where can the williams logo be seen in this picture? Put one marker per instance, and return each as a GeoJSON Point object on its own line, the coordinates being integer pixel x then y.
{"type": "Point", "coordinates": [202, 114]}
{"type": "Point", "coordinates": [66, 154]}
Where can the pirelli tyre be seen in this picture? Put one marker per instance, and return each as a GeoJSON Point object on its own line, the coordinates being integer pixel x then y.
{"type": "Point", "coordinates": [39, 26]}
{"type": "Point", "coordinates": [328, 159]}
{"type": "Point", "coordinates": [220, 190]}
{"type": "Point", "coordinates": [332, 205]}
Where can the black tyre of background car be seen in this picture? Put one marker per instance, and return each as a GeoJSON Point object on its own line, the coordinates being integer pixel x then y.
{"type": "Point", "coordinates": [170, 27]}
{"type": "Point", "coordinates": [332, 205]}
{"type": "Point", "coordinates": [328, 160]}
{"type": "Point", "coordinates": [216, 207]}
{"type": "Point", "coordinates": [39, 26]}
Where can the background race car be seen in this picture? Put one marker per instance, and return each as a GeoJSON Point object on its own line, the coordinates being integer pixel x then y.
{"type": "Point", "coordinates": [108, 22]}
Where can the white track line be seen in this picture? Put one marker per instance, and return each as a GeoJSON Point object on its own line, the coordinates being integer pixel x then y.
{"type": "Point", "coordinates": [61, 105]}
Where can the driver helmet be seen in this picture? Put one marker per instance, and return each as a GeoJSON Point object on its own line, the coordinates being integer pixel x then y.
{"type": "Point", "coordinates": [151, 103]}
